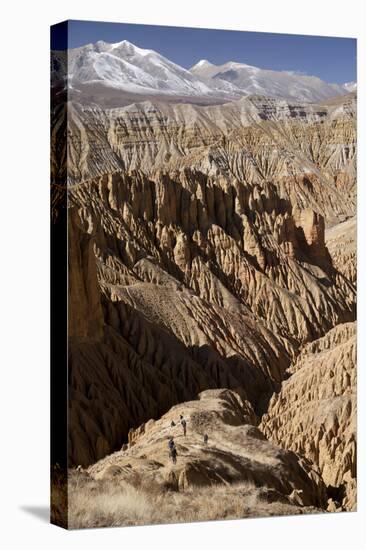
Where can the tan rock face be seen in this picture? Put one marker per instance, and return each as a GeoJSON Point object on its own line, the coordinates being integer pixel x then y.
{"type": "Point", "coordinates": [314, 414]}
{"type": "Point", "coordinates": [341, 242]}
{"type": "Point", "coordinates": [85, 310]}
{"type": "Point", "coordinates": [310, 227]}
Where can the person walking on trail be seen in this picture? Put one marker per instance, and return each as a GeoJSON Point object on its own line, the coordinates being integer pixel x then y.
{"type": "Point", "coordinates": [173, 455]}
{"type": "Point", "coordinates": [205, 439]}
{"type": "Point", "coordinates": [172, 450]}
{"type": "Point", "coordinates": [184, 425]}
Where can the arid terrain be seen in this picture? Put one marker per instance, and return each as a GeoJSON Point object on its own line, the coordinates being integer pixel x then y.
{"type": "Point", "coordinates": [237, 473]}
{"type": "Point", "coordinates": [212, 273]}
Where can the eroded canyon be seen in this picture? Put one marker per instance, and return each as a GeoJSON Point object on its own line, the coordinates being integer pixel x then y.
{"type": "Point", "coordinates": [214, 247]}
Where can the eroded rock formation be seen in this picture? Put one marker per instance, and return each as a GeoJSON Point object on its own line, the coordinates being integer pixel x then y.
{"type": "Point", "coordinates": [236, 452]}
{"type": "Point", "coordinates": [341, 242]}
{"type": "Point", "coordinates": [199, 253]}
{"type": "Point", "coordinates": [307, 151]}
{"type": "Point", "coordinates": [314, 414]}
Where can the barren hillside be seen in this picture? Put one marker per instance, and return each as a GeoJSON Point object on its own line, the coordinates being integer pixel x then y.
{"type": "Point", "coordinates": [236, 473]}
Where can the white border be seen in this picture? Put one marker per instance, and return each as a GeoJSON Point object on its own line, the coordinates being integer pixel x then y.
{"type": "Point", "coordinates": [24, 354]}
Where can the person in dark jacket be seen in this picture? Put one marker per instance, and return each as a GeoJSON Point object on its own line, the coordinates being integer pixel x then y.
{"type": "Point", "coordinates": [173, 455]}
{"type": "Point", "coordinates": [172, 450]}
{"type": "Point", "coordinates": [205, 439]}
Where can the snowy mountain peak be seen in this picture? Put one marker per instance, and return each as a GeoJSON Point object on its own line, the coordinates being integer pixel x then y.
{"type": "Point", "coordinates": [202, 63]}
{"type": "Point", "coordinates": [123, 43]}
{"type": "Point", "coordinates": [130, 48]}
{"type": "Point", "coordinates": [350, 86]}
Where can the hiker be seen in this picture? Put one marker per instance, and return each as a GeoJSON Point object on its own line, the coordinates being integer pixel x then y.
{"type": "Point", "coordinates": [173, 455]}
{"type": "Point", "coordinates": [184, 424]}
{"type": "Point", "coordinates": [172, 424]}
{"type": "Point", "coordinates": [172, 450]}
{"type": "Point", "coordinates": [205, 439]}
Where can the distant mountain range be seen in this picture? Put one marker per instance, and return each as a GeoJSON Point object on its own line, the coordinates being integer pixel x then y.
{"type": "Point", "coordinates": [289, 85]}
{"type": "Point", "coordinates": [124, 72]}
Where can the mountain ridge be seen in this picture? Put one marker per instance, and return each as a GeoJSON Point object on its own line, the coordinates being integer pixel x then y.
{"type": "Point", "coordinates": [124, 68]}
{"type": "Point", "coordinates": [236, 472]}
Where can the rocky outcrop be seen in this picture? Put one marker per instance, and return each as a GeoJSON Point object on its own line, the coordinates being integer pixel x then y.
{"type": "Point", "coordinates": [341, 242]}
{"type": "Point", "coordinates": [314, 414]}
{"type": "Point", "coordinates": [311, 229]}
{"type": "Point", "coordinates": [235, 472]}
{"type": "Point", "coordinates": [236, 451]}
{"type": "Point", "coordinates": [85, 310]}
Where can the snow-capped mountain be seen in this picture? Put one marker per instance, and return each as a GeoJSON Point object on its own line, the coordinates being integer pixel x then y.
{"type": "Point", "coordinates": [350, 86]}
{"type": "Point", "coordinates": [124, 66]}
{"type": "Point", "coordinates": [102, 70]}
{"type": "Point", "coordinates": [281, 84]}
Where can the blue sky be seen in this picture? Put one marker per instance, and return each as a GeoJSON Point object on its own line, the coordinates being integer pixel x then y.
{"type": "Point", "coordinates": [332, 59]}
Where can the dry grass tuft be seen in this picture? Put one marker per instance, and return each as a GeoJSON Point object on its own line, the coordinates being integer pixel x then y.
{"type": "Point", "coordinates": [101, 503]}
{"type": "Point", "coordinates": [59, 501]}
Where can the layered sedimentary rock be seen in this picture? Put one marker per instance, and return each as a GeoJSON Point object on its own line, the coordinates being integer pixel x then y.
{"type": "Point", "coordinates": [199, 237]}
{"type": "Point", "coordinates": [307, 151]}
{"type": "Point", "coordinates": [314, 414]}
{"type": "Point", "coordinates": [341, 240]}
